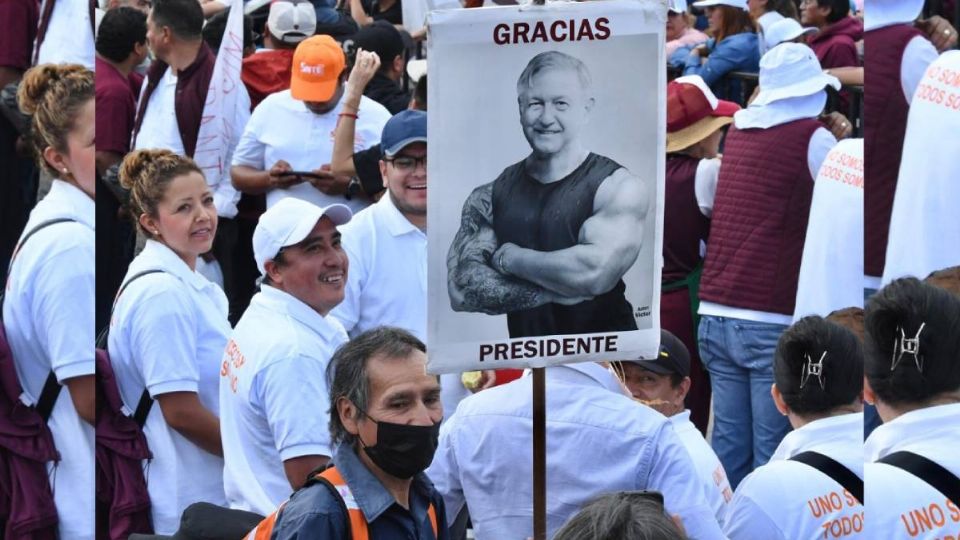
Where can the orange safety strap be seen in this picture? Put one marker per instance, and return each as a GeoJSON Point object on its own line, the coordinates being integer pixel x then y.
{"type": "Point", "coordinates": [265, 528]}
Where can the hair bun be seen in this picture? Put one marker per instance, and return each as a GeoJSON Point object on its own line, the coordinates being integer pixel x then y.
{"type": "Point", "coordinates": [38, 82]}
{"type": "Point", "coordinates": [138, 164]}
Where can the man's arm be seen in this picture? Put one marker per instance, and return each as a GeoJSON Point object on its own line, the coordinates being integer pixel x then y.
{"type": "Point", "coordinates": [298, 468]}
{"type": "Point", "coordinates": [608, 245]}
{"type": "Point", "coordinates": [472, 284]}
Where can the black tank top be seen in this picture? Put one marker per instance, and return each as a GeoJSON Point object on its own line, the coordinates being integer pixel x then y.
{"type": "Point", "coordinates": [548, 217]}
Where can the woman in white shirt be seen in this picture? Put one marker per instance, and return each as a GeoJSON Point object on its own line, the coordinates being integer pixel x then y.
{"type": "Point", "coordinates": [912, 373]}
{"type": "Point", "coordinates": [49, 305]}
{"type": "Point", "coordinates": [168, 332]}
{"type": "Point", "coordinates": [818, 374]}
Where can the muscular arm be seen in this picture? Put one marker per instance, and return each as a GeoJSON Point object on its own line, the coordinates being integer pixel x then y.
{"type": "Point", "coordinates": [608, 245]}
{"type": "Point", "coordinates": [473, 285]}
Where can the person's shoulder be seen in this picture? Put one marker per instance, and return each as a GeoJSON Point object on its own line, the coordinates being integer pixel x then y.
{"type": "Point", "coordinates": [276, 100]}
{"type": "Point", "coordinates": [313, 512]}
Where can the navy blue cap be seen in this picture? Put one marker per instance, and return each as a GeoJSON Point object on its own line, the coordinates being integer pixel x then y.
{"type": "Point", "coordinates": [673, 357]}
{"type": "Point", "coordinates": [404, 128]}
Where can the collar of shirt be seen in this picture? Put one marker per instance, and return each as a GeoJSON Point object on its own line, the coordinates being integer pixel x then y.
{"type": "Point", "coordinates": [681, 421]}
{"type": "Point", "coordinates": [822, 433]}
{"type": "Point", "coordinates": [780, 111]}
{"type": "Point", "coordinates": [903, 430]}
{"type": "Point", "coordinates": [159, 255]}
{"type": "Point", "coordinates": [372, 498]}
{"type": "Point", "coordinates": [79, 206]}
{"type": "Point", "coordinates": [284, 302]}
{"type": "Point", "coordinates": [397, 223]}
{"type": "Point", "coordinates": [584, 373]}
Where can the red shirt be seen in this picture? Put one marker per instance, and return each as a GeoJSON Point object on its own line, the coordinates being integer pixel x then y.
{"type": "Point", "coordinates": [116, 107]}
{"type": "Point", "coordinates": [265, 73]}
{"type": "Point", "coordinates": [18, 29]}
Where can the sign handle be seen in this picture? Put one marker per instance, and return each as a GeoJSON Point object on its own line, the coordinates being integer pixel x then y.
{"type": "Point", "coordinates": [539, 455]}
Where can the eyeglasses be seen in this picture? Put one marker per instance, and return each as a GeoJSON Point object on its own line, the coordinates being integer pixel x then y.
{"type": "Point", "coordinates": [408, 163]}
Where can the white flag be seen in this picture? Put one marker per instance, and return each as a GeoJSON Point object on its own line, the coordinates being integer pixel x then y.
{"type": "Point", "coordinates": [225, 114]}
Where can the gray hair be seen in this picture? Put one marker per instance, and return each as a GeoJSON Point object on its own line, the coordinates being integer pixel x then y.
{"type": "Point", "coordinates": [347, 373]}
{"type": "Point", "coordinates": [621, 516]}
{"type": "Point", "coordinates": [553, 60]}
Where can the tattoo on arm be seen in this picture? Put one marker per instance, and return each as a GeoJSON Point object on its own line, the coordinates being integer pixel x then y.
{"type": "Point", "coordinates": [473, 284]}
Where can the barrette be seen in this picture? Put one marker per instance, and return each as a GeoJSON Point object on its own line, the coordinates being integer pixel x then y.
{"type": "Point", "coordinates": [904, 345]}
{"type": "Point", "coordinates": [813, 369]}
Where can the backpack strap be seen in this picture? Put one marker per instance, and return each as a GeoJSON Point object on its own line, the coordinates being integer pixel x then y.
{"type": "Point", "coordinates": [931, 472]}
{"type": "Point", "coordinates": [835, 470]}
{"type": "Point", "coordinates": [23, 241]}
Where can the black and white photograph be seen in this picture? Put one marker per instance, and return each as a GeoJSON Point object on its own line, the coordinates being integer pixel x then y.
{"type": "Point", "coordinates": [544, 233]}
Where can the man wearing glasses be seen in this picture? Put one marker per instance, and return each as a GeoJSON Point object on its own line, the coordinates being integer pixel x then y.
{"type": "Point", "coordinates": [549, 240]}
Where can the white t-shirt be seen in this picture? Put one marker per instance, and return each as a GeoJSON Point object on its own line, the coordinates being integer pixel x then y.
{"type": "Point", "coordinates": [167, 334]}
{"type": "Point", "coordinates": [69, 37]}
{"type": "Point", "coordinates": [788, 500]}
{"type": "Point", "coordinates": [282, 128]}
{"type": "Point", "coordinates": [831, 271]}
{"type": "Point", "coordinates": [48, 315]}
{"type": "Point", "coordinates": [716, 487]}
{"type": "Point", "coordinates": [924, 227]}
{"type": "Point", "coordinates": [900, 506]}
{"type": "Point", "coordinates": [274, 399]}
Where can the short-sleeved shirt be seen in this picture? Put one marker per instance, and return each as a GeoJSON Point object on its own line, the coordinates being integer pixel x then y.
{"type": "Point", "coordinates": [167, 334]}
{"type": "Point", "coordinates": [116, 107]}
{"type": "Point", "coordinates": [19, 30]}
{"type": "Point", "coordinates": [48, 315]}
{"type": "Point", "coordinates": [282, 128]}
{"type": "Point", "coordinates": [274, 396]}
{"type": "Point", "coordinates": [69, 35]}
{"type": "Point", "coordinates": [313, 512]}
{"type": "Point", "coordinates": [716, 486]}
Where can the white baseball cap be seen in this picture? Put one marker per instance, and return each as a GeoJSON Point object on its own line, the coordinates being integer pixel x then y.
{"type": "Point", "coordinates": [288, 222]}
{"type": "Point", "coordinates": [786, 29]}
{"type": "Point", "coordinates": [677, 6]}
{"type": "Point", "coordinates": [742, 4]}
{"type": "Point", "coordinates": [292, 21]}
{"type": "Point", "coordinates": [791, 70]}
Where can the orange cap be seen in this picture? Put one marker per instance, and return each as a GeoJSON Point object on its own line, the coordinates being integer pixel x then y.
{"type": "Point", "coordinates": [317, 64]}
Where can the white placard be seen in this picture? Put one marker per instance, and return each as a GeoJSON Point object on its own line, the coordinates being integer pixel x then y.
{"type": "Point", "coordinates": [520, 232]}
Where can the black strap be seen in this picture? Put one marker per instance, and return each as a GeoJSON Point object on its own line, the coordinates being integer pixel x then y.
{"type": "Point", "coordinates": [836, 471]}
{"type": "Point", "coordinates": [20, 244]}
{"type": "Point", "coordinates": [927, 470]}
{"type": "Point", "coordinates": [143, 408]}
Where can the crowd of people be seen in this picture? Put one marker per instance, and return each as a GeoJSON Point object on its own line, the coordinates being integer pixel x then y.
{"type": "Point", "coordinates": [260, 369]}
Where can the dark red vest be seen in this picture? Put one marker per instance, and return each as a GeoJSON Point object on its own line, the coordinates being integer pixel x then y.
{"type": "Point", "coordinates": [192, 86]}
{"type": "Point", "coordinates": [760, 218]}
{"type": "Point", "coordinates": [885, 111]}
{"type": "Point", "coordinates": [684, 226]}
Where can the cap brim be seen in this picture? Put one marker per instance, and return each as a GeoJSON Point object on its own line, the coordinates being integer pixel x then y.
{"type": "Point", "coordinates": [653, 366]}
{"type": "Point", "coordinates": [312, 91]}
{"type": "Point", "coordinates": [807, 87]}
{"type": "Point", "coordinates": [403, 144]}
{"type": "Point", "coordinates": [691, 135]}
{"type": "Point", "coordinates": [710, 3]}
{"type": "Point", "coordinates": [338, 214]}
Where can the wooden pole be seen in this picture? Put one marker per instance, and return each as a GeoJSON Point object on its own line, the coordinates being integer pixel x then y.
{"type": "Point", "coordinates": [539, 455]}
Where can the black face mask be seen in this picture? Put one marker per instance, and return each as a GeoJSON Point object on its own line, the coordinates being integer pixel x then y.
{"type": "Point", "coordinates": [403, 450]}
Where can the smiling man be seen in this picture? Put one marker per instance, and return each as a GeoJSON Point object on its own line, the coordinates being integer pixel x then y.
{"type": "Point", "coordinates": [272, 374]}
{"type": "Point", "coordinates": [550, 239]}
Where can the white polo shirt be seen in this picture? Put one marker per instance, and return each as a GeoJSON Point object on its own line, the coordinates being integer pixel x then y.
{"type": "Point", "coordinates": [716, 487]}
{"type": "Point", "coordinates": [283, 128]}
{"type": "Point", "coordinates": [69, 37]}
{"type": "Point", "coordinates": [167, 334]}
{"type": "Point", "coordinates": [48, 317]}
{"type": "Point", "coordinates": [788, 500]}
{"type": "Point", "coordinates": [900, 506]}
{"type": "Point", "coordinates": [274, 400]}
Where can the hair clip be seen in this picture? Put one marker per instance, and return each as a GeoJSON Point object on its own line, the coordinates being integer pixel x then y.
{"type": "Point", "coordinates": [904, 345]}
{"type": "Point", "coordinates": [815, 370]}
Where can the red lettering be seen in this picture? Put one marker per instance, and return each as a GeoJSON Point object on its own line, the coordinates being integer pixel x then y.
{"type": "Point", "coordinates": [558, 25]}
{"type": "Point", "coordinates": [851, 500]}
{"type": "Point", "coordinates": [937, 516]}
{"type": "Point", "coordinates": [603, 31]}
{"type": "Point", "coordinates": [520, 31]}
{"type": "Point", "coordinates": [501, 34]}
{"type": "Point", "coordinates": [954, 511]}
{"type": "Point", "coordinates": [539, 33]}
{"type": "Point", "coordinates": [224, 369]}
{"type": "Point", "coordinates": [586, 32]}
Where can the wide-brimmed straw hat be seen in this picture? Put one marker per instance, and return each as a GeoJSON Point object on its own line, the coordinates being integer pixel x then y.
{"type": "Point", "coordinates": [693, 112]}
{"type": "Point", "coordinates": [791, 70]}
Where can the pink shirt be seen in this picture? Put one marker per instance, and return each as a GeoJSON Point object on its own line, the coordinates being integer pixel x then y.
{"type": "Point", "coordinates": [691, 36]}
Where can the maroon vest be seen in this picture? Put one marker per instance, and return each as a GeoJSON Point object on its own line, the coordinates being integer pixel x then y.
{"type": "Point", "coordinates": [192, 86]}
{"type": "Point", "coordinates": [760, 218]}
{"type": "Point", "coordinates": [684, 226]}
{"type": "Point", "coordinates": [885, 111]}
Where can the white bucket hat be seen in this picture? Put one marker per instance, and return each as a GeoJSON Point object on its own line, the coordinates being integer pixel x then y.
{"type": "Point", "coordinates": [742, 4]}
{"type": "Point", "coordinates": [786, 29]}
{"type": "Point", "coordinates": [791, 70]}
{"type": "Point", "coordinates": [882, 13]}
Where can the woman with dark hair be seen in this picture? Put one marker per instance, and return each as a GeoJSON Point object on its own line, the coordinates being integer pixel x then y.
{"type": "Point", "coordinates": [912, 368]}
{"type": "Point", "coordinates": [818, 374]}
{"type": "Point", "coordinates": [733, 46]}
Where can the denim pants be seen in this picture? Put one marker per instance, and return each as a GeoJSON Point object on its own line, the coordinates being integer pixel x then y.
{"type": "Point", "coordinates": [747, 425]}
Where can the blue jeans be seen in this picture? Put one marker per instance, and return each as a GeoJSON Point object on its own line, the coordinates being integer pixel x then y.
{"type": "Point", "coordinates": [747, 425]}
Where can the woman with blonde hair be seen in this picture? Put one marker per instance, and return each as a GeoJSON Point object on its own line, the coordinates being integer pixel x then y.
{"type": "Point", "coordinates": [49, 304]}
{"type": "Point", "coordinates": [168, 332]}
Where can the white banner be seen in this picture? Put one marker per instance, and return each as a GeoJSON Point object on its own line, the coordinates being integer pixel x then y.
{"type": "Point", "coordinates": [545, 227]}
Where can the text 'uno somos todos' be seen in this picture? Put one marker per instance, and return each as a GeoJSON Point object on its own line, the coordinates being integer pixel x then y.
{"type": "Point", "coordinates": [545, 32]}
